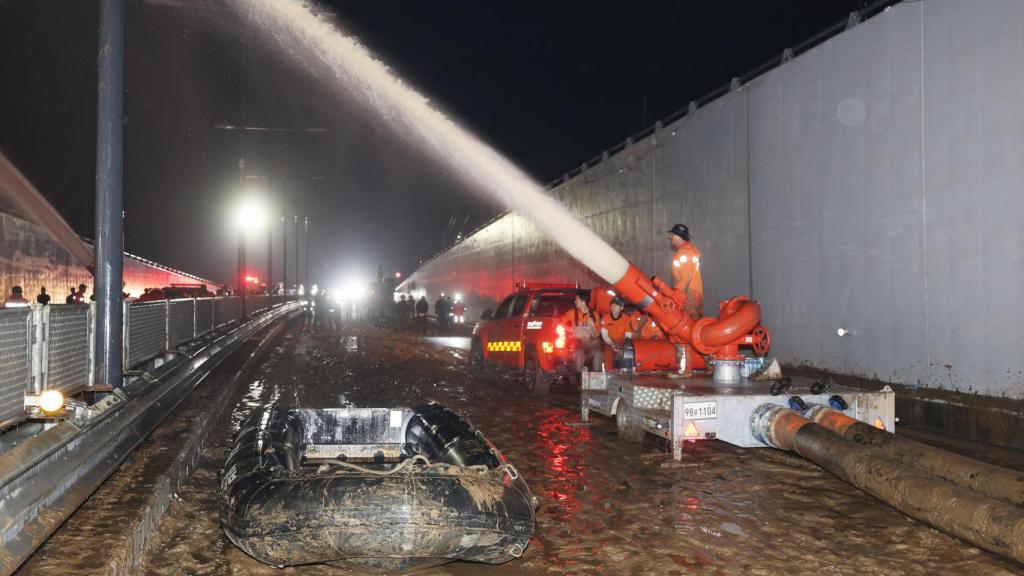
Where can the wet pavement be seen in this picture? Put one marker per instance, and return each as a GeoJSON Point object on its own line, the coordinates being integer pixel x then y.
{"type": "Point", "coordinates": [607, 506]}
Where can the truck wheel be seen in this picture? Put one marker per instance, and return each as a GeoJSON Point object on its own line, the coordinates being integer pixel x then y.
{"type": "Point", "coordinates": [627, 422]}
{"type": "Point", "coordinates": [537, 382]}
{"type": "Point", "coordinates": [477, 363]}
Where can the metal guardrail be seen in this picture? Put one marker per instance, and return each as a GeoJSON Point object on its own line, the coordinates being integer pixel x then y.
{"type": "Point", "coordinates": [47, 471]}
{"type": "Point", "coordinates": [65, 349]}
{"type": "Point", "coordinates": [145, 333]}
{"type": "Point", "coordinates": [204, 316]}
{"type": "Point", "coordinates": [181, 321]}
{"type": "Point", "coordinates": [15, 362]}
{"type": "Point", "coordinates": [51, 347]}
{"type": "Point", "coordinates": [226, 310]}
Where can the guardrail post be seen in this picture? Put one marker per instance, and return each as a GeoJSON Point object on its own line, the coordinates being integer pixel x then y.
{"type": "Point", "coordinates": [37, 326]}
{"type": "Point", "coordinates": [126, 349]}
{"type": "Point", "coordinates": [167, 324]}
{"type": "Point", "coordinates": [91, 327]}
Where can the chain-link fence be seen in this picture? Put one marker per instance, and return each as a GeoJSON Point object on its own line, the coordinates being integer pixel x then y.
{"type": "Point", "coordinates": [66, 351]}
{"type": "Point", "coordinates": [180, 321]}
{"type": "Point", "coordinates": [15, 361]}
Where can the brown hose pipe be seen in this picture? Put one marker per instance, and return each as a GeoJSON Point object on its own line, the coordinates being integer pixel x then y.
{"type": "Point", "coordinates": [965, 472]}
{"type": "Point", "coordinates": [984, 522]}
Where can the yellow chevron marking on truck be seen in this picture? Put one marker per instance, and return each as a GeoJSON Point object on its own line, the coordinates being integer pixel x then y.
{"type": "Point", "coordinates": [513, 346]}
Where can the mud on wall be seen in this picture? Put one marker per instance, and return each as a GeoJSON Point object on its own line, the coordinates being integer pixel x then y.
{"type": "Point", "coordinates": [31, 258]}
{"type": "Point", "coordinates": [872, 184]}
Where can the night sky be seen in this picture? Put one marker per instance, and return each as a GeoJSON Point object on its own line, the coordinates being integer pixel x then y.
{"type": "Point", "coordinates": [550, 84]}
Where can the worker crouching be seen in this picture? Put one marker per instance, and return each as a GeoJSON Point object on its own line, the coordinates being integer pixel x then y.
{"type": "Point", "coordinates": [616, 327]}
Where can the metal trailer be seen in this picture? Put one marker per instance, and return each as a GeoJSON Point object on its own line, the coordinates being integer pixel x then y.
{"type": "Point", "coordinates": [686, 409]}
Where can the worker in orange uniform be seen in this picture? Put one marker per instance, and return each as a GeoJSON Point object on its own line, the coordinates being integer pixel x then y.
{"type": "Point", "coordinates": [648, 329]}
{"type": "Point", "coordinates": [686, 271]}
{"type": "Point", "coordinates": [586, 335]}
{"type": "Point", "coordinates": [616, 328]}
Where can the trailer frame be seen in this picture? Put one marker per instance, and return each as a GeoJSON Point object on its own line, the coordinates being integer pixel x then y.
{"type": "Point", "coordinates": [686, 409]}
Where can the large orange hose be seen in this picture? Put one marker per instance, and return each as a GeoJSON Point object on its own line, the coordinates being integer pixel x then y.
{"type": "Point", "coordinates": [710, 334]}
{"type": "Point", "coordinates": [737, 317]}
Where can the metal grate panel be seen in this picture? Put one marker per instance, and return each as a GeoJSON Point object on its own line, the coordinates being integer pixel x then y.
{"type": "Point", "coordinates": [147, 331]}
{"type": "Point", "coordinates": [180, 317]}
{"type": "Point", "coordinates": [257, 303]}
{"type": "Point", "coordinates": [66, 339]}
{"type": "Point", "coordinates": [226, 310]}
{"type": "Point", "coordinates": [15, 361]}
{"type": "Point", "coordinates": [652, 398]}
{"type": "Point", "coordinates": [204, 316]}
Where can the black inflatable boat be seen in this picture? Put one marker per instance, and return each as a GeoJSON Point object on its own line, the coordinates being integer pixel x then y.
{"type": "Point", "coordinates": [389, 489]}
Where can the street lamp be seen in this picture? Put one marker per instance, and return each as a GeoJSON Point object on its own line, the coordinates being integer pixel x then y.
{"type": "Point", "coordinates": [248, 217]}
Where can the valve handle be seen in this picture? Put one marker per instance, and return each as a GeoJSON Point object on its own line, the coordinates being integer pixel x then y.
{"type": "Point", "coordinates": [762, 340]}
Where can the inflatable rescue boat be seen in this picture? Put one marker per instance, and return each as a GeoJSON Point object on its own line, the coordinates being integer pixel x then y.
{"type": "Point", "coordinates": [387, 489]}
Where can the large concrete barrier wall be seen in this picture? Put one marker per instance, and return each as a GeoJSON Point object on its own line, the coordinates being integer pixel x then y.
{"type": "Point", "coordinates": [31, 258]}
{"type": "Point", "coordinates": [873, 183]}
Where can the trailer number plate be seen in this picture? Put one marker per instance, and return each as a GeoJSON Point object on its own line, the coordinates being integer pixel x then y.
{"type": "Point", "coordinates": [700, 410]}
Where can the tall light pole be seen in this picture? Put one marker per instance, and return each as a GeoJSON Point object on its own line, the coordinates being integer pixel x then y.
{"type": "Point", "coordinates": [242, 128]}
{"type": "Point", "coordinates": [296, 250]}
{"type": "Point", "coordinates": [109, 247]}
{"type": "Point", "coordinates": [284, 254]}
{"type": "Point", "coordinates": [306, 240]}
{"type": "Point", "coordinates": [241, 266]}
{"type": "Point", "coordinates": [248, 217]}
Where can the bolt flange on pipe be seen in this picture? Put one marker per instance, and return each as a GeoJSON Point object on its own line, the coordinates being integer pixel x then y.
{"type": "Point", "coordinates": [985, 522]}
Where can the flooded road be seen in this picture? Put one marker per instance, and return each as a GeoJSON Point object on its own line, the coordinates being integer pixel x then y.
{"type": "Point", "coordinates": [607, 506]}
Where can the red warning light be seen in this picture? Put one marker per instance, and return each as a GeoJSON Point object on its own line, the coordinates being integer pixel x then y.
{"type": "Point", "coordinates": [398, 274]}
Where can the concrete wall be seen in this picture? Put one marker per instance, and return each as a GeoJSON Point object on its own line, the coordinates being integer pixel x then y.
{"type": "Point", "coordinates": [874, 183]}
{"type": "Point", "coordinates": [31, 258]}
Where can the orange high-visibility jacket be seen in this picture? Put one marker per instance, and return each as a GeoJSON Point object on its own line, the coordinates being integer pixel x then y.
{"type": "Point", "coordinates": [686, 278]}
{"type": "Point", "coordinates": [618, 327]}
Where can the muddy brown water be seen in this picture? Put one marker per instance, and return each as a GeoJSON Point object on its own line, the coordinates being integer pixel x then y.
{"type": "Point", "coordinates": [607, 506]}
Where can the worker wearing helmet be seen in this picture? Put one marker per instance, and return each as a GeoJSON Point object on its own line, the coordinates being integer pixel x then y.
{"type": "Point", "coordinates": [686, 271]}
{"type": "Point", "coordinates": [616, 328]}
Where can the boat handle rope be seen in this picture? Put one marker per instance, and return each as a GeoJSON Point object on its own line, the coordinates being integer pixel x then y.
{"type": "Point", "coordinates": [400, 466]}
{"type": "Point", "coordinates": [513, 474]}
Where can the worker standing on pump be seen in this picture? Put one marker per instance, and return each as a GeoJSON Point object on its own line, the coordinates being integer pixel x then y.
{"type": "Point", "coordinates": [686, 271]}
{"type": "Point", "coordinates": [616, 328]}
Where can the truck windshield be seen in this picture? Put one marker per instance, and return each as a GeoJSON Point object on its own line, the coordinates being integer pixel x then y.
{"type": "Point", "coordinates": [548, 305]}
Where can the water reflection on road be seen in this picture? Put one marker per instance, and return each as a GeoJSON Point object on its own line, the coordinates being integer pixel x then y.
{"type": "Point", "coordinates": [606, 506]}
